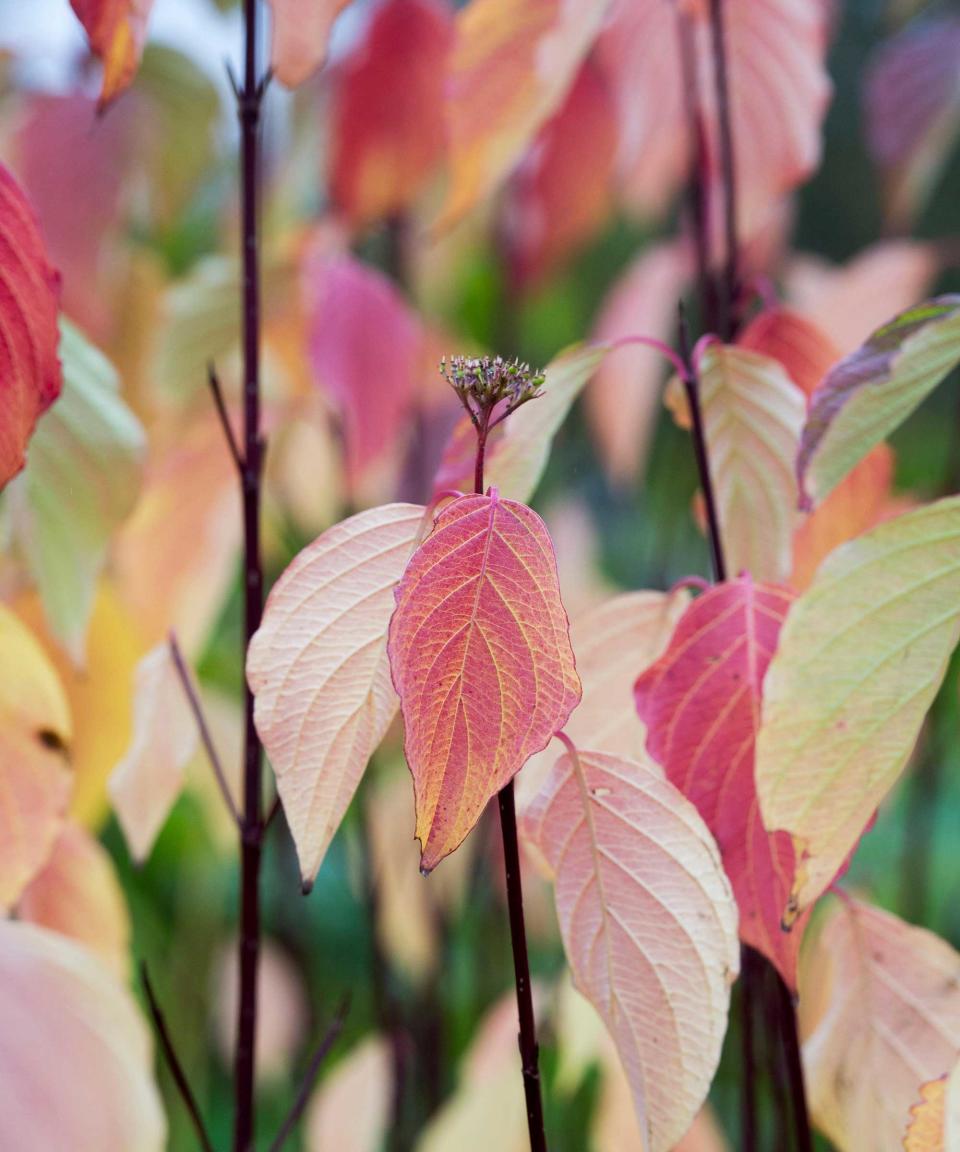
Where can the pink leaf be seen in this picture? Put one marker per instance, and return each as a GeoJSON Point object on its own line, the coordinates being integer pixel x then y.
{"type": "Point", "coordinates": [75, 1056]}
{"type": "Point", "coordinates": [365, 347]}
{"type": "Point", "coordinates": [701, 705]}
{"type": "Point", "coordinates": [648, 924]}
{"type": "Point", "coordinates": [301, 29]}
{"type": "Point", "coordinates": [318, 668]}
{"type": "Point", "coordinates": [480, 654]}
{"type": "Point", "coordinates": [30, 378]}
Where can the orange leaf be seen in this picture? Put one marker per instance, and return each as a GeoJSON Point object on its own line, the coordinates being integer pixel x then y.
{"type": "Point", "coordinates": [78, 894]}
{"type": "Point", "coordinates": [512, 65]}
{"type": "Point", "coordinates": [806, 352]}
{"type": "Point", "coordinates": [35, 734]}
{"type": "Point", "coordinates": [701, 705]}
{"type": "Point", "coordinates": [649, 926]}
{"type": "Point", "coordinates": [387, 119]}
{"type": "Point", "coordinates": [30, 378]}
{"type": "Point", "coordinates": [116, 30]}
{"type": "Point", "coordinates": [935, 1119]}
{"type": "Point", "coordinates": [301, 29]}
{"type": "Point", "coordinates": [319, 671]}
{"type": "Point", "coordinates": [480, 653]}
{"type": "Point", "coordinates": [75, 1055]}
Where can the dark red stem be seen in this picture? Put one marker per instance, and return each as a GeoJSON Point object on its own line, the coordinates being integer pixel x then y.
{"type": "Point", "coordinates": [529, 1048]}
{"type": "Point", "coordinates": [249, 101]}
{"type": "Point", "coordinates": [730, 278]}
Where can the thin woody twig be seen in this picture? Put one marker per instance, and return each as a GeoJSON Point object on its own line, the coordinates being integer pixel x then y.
{"type": "Point", "coordinates": [313, 1068]}
{"type": "Point", "coordinates": [176, 1068]}
{"type": "Point", "coordinates": [214, 381]}
{"type": "Point", "coordinates": [206, 738]}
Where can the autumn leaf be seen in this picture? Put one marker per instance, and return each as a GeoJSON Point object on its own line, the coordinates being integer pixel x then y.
{"type": "Point", "coordinates": [147, 781]}
{"type": "Point", "coordinates": [351, 1109]}
{"type": "Point", "coordinates": [649, 925]}
{"type": "Point", "coordinates": [801, 347]}
{"type": "Point", "coordinates": [873, 390]}
{"type": "Point", "coordinates": [511, 67]}
{"type": "Point", "coordinates": [387, 122]}
{"type": "Point", "coordinates": [623, 399]}
{"type": "Point", "coordinates": [752, 416]}
{"type": "Point", "coordinates": [29, 298]}
{"type": "Point", "coordinates": [35, 778]}
{"type": "Point", "coordinates": [879, 1016]}
{"type": "Point", "coordinates": [301, 30]}
{"type": "Point", "coordinates": [935, 1118]}
{"type": "Point", "coordinates": [611, 642]}
{"type": "Point", "coordinates": [78, 894]}
{"type": "Point", "coordinates": [700, 703]}
{"type": "Point", "coordinates": [912, 105]}
{"type": "Point", "coordinates": [117, 30]}
{"type": "Point", "coordinates": [319, 671]}
{"type": "Point", "coordinates": [518, 449]}
{"type": "Point", "coordinates": [561, 191]}
{"type": "Point", "coordinates": [71, 1037]}
{"type": "Point", "coordinates": [480, 654]}
{"type": "Point", "coordinates": [851, 682]}
{"type": "Point", "coordinates": [365, 347]}
{"type": "Point", "coordinates": [81, 482]}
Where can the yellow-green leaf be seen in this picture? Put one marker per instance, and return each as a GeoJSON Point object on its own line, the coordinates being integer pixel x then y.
{"type": "Point", "coordinates": [859, 661]}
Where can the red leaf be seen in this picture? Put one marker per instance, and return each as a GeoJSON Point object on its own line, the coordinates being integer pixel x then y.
{"type": "Point", "coordinates": [802, 348]}
{"type": "Point", "coordinates": [480, 654]}
{"type": "Point", "coordinates": [560, 194]}
{"type": "Point", "coordinates": [116, 30]}
{"type": "Point", "coordinates": [30, 378]}
{"type": "Point", "coordinates": [701, 705]}
{"type": "Point", "coordinates": [387, 122]}
{"type": "Point", "coordinates": [365, 346]}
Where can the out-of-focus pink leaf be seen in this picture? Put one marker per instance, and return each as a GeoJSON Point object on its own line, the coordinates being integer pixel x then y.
{"type": "Point", "coordinates": [649, 925]}
{"type": "Point", "coordinates": [387, 121]}
{"type": "Point", "coordinates": [116, 30]}
{"type": "Point", "coordinates": [879, 1016]}
{"type": "Point", "coordinates": [560, 193]}
{"type": "Point", "coordinates": [77, 893]}
{"type": "Point", "coordinates": [511, 67]}
{"type": "Point", "coordinates": [365, 347]}
{"type": "Point", "coordinates": [30, 377]}
{"type": "Point", "coordinates": [480, 654]}
{"type": "Point", "coordinates": [847, 302]}
{"type": "Point", "coordinates": [623, 399]}
{"type": "Point", "coordinates": [301, 29]}
{"type": "Point", "coordinates": [145, 784]}
{"type": "Point", "coordinates": [76, 1062]}
{"type": "Point", "coordinates": [701, 705]}
{"type": "Point", "coordinates": [912, 104]}
{"type": "Point", "coordinates": [35, 739]}
{"type": "Point", "coordinates": [351, 1109]}
{"type": "Point", "coordinates": [779, 92]}
{"type": "Point", "coordinates": [319, 671]}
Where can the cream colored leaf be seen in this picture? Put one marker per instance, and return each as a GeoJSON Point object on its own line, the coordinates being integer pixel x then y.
{"type": "Point", "coordinates": [318, 668]}
{"type": "Point", "coordinates": [649, 926]}
{"type": "Point", "coordinates": [146, 782]}
{"type": "Point", "coordinates": [35, 736]}
{"type": "Point", "coordinates": [78, 894]}
{"type": "Point", "coordinates": [859, 661]}
{"type": "Point", "coordinates": [75, 1055]}
{"type": "Point", "coordinates": [752, 416]}
{"type": "Point", "coordinates": [351, 1109]}
{"type": "Point", "coordinates": [879, 1016]}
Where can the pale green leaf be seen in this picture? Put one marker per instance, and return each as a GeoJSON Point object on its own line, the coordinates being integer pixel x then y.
{"type": "Point", "coordinates": [860, 658]}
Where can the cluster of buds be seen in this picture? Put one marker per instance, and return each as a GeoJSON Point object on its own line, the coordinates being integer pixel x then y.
{"type": "Point", "coordinates": [484, 382]}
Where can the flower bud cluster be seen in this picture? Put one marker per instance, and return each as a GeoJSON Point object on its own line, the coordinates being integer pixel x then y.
{"type": "Point", "coordinates": [483, 382]}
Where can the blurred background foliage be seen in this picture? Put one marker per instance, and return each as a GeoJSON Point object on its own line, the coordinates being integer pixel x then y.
{"type": "Point", "coordinates": [153, 184]}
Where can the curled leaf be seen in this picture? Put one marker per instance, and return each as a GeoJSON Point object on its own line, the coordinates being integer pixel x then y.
{"type": "Point", "coordinates": [480, 654]}
{"type": "Point", "coordinates": [117, 30]}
